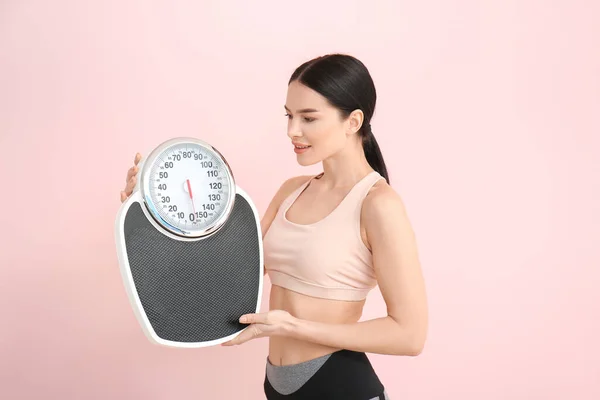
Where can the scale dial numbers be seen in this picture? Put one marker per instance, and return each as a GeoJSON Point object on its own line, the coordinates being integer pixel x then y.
{"type": "Point", "coordinates": [190, 188]}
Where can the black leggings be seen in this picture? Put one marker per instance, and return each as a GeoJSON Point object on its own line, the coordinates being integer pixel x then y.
{"type": "Point", "coordinates": [345, 375]}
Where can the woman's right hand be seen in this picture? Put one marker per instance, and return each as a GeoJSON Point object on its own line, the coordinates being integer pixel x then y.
{"type": "Point", "coordinates": [131, 178]}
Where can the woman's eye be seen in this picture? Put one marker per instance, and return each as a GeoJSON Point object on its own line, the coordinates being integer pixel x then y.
{"type": "Point", "coordinates": [306, 119]}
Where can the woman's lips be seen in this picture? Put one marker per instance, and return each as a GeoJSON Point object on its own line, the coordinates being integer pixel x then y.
{"type": "Point", "coordinates": [300, 148]}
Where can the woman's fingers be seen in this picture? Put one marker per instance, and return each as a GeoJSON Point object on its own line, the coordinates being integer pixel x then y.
{"type": "Point", "coordinates": [130, 185]}
{"type": "Point", "coordinates": [131, 178]}
{"type": "Point", "coordinates": [131, 172]}
{"type": "Point", "coordinates": [251, 332]}
{"type": "Point", "coordinates": [134, 169]}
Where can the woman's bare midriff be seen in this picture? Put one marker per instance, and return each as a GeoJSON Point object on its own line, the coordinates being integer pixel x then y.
{"type": "Point", "coordinates": [285, 350]}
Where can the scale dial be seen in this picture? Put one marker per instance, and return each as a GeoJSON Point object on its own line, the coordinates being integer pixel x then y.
{"type": "Point", "coordinates": [188, 187]}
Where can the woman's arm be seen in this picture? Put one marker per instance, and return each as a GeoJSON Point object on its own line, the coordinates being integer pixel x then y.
{"type": "Point", "coordinates": [403, 330]}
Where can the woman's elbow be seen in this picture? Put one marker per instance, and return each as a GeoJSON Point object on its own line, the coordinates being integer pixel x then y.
{"type": "Point", "coordinates": [414, 346]}
{"type": "Point", "coordinates": [415, 350]}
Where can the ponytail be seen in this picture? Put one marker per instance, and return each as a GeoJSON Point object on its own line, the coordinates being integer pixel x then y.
{"type": "Point", "coordinates": [373, 153]}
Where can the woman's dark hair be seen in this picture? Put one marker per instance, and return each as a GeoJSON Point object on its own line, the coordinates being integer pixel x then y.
{"type": "Point", "coordinates": [347, 84]}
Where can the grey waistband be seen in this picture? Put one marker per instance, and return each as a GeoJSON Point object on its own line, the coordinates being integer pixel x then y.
{"type": "Point", "coordinates": [286, 379]}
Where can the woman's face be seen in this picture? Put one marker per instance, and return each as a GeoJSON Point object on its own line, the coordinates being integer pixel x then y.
{"type": "Point", "coordinates": [315, 128]}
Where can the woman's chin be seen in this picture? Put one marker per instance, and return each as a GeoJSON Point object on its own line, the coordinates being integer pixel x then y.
{"type": "Point", "coordinates": [306, 161]}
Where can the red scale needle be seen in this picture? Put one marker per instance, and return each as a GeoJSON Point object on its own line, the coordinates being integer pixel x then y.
{"type": "Point", "coordinates": [191, 196]}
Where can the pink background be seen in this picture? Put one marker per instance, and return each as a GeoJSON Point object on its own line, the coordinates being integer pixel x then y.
{"type": "Point", "coordinates": [489, 120]}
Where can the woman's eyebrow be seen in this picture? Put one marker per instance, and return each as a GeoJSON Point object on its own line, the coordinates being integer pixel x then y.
{"type": "Point", "coordinates": [304, 110]}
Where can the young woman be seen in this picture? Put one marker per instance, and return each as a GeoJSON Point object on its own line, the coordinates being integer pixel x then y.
{"type": "Point", "coordinates": [328, 240]}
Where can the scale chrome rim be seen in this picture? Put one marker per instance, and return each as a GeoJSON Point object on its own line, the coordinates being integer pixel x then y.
{"type": "Point", "coordinates": [145, 188]}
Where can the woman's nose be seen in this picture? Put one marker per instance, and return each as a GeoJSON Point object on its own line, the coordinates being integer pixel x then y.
{"type": "Point", "coordinates": [293, 130]}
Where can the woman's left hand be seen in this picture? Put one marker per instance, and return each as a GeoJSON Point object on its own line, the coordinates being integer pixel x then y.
{"type": "Point", "coordinates": [271, 323]}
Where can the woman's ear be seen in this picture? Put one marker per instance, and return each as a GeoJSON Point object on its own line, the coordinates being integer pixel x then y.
{"type": "Point", "coordinates": [355, 121]}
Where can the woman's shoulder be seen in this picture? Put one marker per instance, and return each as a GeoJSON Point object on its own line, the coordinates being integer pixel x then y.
{"type": "Point", "coordinates": [293, 183]}
{"type": "Point", "coordinates": [283, 192]}
{"type": "Point", "coordinates": [290, 185]}
{"type": "Point", "coordinates": [381, 203]}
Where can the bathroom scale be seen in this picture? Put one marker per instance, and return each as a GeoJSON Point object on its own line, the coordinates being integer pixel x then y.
{"type": "Point", "coordinates": [189, 247]}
